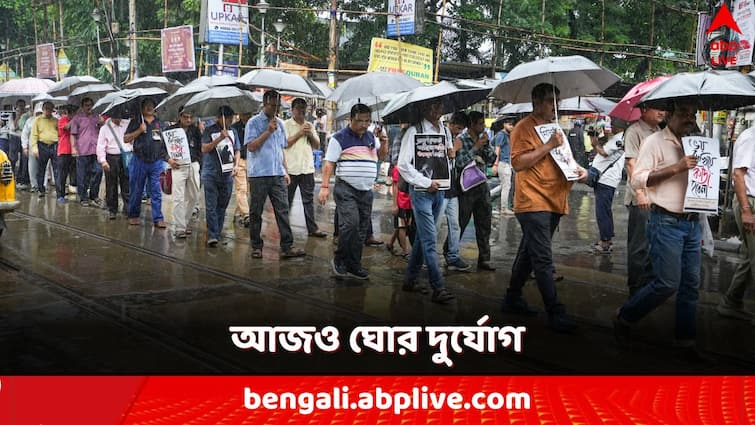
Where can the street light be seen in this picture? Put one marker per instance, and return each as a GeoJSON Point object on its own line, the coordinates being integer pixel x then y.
{"type": "Point", "coordinates": [112, 60]}
{"type": "Point", "coordinates": [280, 26]}
{"type": "Point", "coordinates": [262, 6]}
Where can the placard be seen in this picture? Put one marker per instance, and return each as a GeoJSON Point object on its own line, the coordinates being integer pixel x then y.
{"type": "Point", "coordinates": [562, 154]}
{"type": "Point", "coordinates": [177, 144]}
{"type": "Point", "coordinates": [431, 159]}
{"type": "Point", "coordinates": [47, 62]}
{"type": "Point", "coordinates": [177, 48]}
{"type": "Point", "coordinates": [225, 151]}
{"type": "Point", "coordinates": [703, 180]}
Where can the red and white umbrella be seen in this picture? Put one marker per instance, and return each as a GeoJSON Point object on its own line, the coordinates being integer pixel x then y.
{"type": "Point", "coordinates": [627, 109]}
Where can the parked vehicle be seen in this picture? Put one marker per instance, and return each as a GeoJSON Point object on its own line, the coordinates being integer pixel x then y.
{"type": "Point", "coordinates": [8, 200]}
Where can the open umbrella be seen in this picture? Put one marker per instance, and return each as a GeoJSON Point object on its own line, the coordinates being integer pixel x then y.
{"type": "Point", "coordinates": [376, 104]}
{"type": "Point", "coordinates": [92, 91]}
{"type": "Point", "coordinates": [405, 106]}
{"type": "Point", "coordinates": [130, 100]}
{"type": "Point", "coordinates": [28, 86]}
{"type": "Point", "coordinates": [105, 101]}
{"type": "Point", "coordinates": [627, 109]}
{"type": "Point", "coordinates": [709, 90]}
{"type": "Point", "coordinates": [372, 85]}
{"type": "Point", "coordinates": [571, 106]}
{"type": "Point", "coordinates": [573, 75]}
{"type": "Point", "coordinates": [215, 80]}
{"type": "Point", "coordinates": [171, 106]}
{"type": "Point", "coordinates": [280, 81]}
{"type": "Point", "coordinates": [45, 97]}
{"type": "Point", "coordinates": [155, 81]}
{"type": "Point", "coordinates": [207, 103]}
{"type": "Point", "coordinates": [67, 85]}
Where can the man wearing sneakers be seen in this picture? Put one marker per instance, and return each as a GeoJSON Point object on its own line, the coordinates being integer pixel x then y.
{"type": "Point", "coordinates": [743, 165]}
{"type": "Point", "coordinates": [427, 204]}
{"type": "Point", "coordinates": [353, 152]}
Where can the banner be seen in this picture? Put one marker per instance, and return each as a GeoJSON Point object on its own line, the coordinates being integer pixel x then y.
{"type": "Point", "coordinates": [224, 23]}
{"type": "Point", "coordinates": [406, 11]}
{"type": "Point", "coordinates": [7, 73]}
{"type": "Point", "coordinates": [744, 16]}
{"type": "Point", "coordinates": [47, 62]}
{"type": "Point", "coordinates": [414, 61]}
{"type": "Point", "coordinates": [177, 47]}
{"type": "Point", "coordinates": [406, 400]}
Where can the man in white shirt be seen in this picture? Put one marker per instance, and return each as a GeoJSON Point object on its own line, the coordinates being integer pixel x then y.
{"type": "Point", "coordinates": [110, 148]}
{"type": "Point", "coordinates": [609, 161]}
{"type": "Point", "coordinates": [743, 166]}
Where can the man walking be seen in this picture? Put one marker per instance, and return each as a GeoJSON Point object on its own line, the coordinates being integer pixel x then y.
{"type": "Point", "coordinates": [110, 148]}
{"type": "Point", "coordinates": [673, 235]}
{"type": "Point", "coordinates": [44, 144]}
{"type": "Point", "coordinates": [268, 176]}
{"type": "Point", "coordinates": [353, 152]}
{"type": "Point", "coordinates": [84, 134]}
{"type": "Point", "coordinates": [240, 185]}
{"type": "Point", "coordinates": [502, 143]}
{"type": "Point", "coordinates": [743, 165]}
{"type": "Point", "coordinates": [639, 268]}
{"type": "Point", "coordinates": [302, 139]}
{"type": "Point", "coordinates": [540, 200]}
{"type": "Point", "coordinates": [427, 204]}
{"type": "Point", "coordinates": [185, 177]}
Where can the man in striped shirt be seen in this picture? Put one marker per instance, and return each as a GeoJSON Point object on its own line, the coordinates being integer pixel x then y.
{"type": "Point", "coordinates": [354, 153]}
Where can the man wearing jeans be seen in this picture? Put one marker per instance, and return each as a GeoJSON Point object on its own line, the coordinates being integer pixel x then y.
{"type": "Point", "coordinates": [541, 198]}
{"type": "Point", "coordinates": [265, 139]}
{"type": "Point", "coordinates": [673, 236]}
{"type": "Point", "coordinates": [44, 144]}
{"type": "Point", "coordinates": [427, 204]}
{"type": "Point", "coordinates": [354, 153]}
{"type": "Point", "coordinates": [451, 248]}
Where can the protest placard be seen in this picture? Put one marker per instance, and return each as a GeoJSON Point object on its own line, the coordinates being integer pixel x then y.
{"type": "Point", "coordinates": [562, 154]}
{"type": "Point", "coordinates": [703, 180]}
{"type": "Point", "coordinates": [177, 145]}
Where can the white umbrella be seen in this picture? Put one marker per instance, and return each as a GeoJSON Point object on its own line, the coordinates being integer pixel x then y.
{"type": "Point", "coordinates": [92, 91]}
{"type": "Point", "coordinates": [405, 106]}
{"type": "Point", "coordinates": [709, 90]}
{"type": "Point", "coordinates": [26, 86]}
{"type": "Point", "coordinates": [215, 80]}
{"type": "Point", "coordinates": [280, 81]}
{"type": "Point", "coordinates": [171, 106]}
{"type": "Point", "coordinates": [573, 75]}
{"type": "Point", "coordinates": [207, 103]}
{"type": "Point", "coordinates": [67, 85]}
{"type": "Point", "coordinates": [45, 97]}
{"type": "Point", "coordinates": [168, 84]}
{"type": "Point", "coordinates": [376, 104]}
{"type": "Point", "coordinates": [570, 106]}
{"type": "Point", "coordinates": [372, 85]}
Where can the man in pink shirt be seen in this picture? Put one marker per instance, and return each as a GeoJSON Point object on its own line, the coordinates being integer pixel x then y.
{"type": "Point", "coordinates": [84, 134]}
{"type": "Point", "coordinates": [110, 148]}
{"type": "Point", "coordinates": [673, 235]}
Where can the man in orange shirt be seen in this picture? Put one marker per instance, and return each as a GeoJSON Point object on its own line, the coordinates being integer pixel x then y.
{"type": "Point", "coordinates": [540, 199]}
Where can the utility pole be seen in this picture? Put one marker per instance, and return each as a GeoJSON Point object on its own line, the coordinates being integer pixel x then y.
{"type": "Point", "coordinates": [439, 49]}
{"type": "Point", "coordinates": [333, 46]}
{"type": "Point", "coordinates": [133, 52]}
{"type": "Point", "coordinates": [495, 41]}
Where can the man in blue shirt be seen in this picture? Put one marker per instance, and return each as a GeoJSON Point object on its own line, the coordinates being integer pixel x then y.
{"type": "Point", "coordinates": [503, 163]}
{"type": "Point", "coordinates": [265, 140]}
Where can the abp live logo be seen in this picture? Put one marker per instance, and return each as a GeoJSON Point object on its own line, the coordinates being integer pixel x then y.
{"type": "Point", "coordinates": [723, 52]}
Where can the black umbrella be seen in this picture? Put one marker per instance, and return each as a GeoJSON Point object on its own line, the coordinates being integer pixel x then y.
{"type": "Point", "coordinates": [405, 107]}
{"type": "Point", "coordinates": [709, 90]}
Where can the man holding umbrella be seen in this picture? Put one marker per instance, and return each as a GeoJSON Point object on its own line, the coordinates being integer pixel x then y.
{"type": "Point", "coordinates": [145, 132]}
{"type": "Point", "coordinates": [540, 199]}
{"type": "Point", "coordinates": [268, 176]}
{"type": "Point", "coordinates": [673, 235]}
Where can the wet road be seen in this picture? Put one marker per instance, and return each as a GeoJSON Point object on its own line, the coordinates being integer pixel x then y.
{"type": "Point", "coordinates": [84, 294]}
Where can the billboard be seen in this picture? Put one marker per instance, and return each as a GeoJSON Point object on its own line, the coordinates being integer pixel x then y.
{"type": "Point", "coordinates": [414, 61]}
{"type": "Point", "coordinates": [177, 48]}
{"type": "Point", "coordinates": [47, 62]}
{"type": "Point", "coordinates": [405, 10]}
{"type": "Point", "coordinates": [224, 22]}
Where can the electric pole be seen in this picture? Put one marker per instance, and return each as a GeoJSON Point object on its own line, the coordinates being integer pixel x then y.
{"type": "Point", "coordinates": [133, 52]}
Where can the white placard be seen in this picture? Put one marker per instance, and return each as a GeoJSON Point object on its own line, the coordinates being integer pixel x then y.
{"type": "Point", "coordinates": [177, 145]}
{"type": "Point", "coordinates": [704, 179]}
{"type": "Point", "coordinates": [562, 154]}
{"type": "Point", "coordinates": [225, 151]}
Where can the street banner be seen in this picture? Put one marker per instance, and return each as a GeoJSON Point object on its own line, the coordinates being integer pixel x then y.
{"type": "Point", "coordinates": [47, 62]}
{"type": "Point", "coordinates": [7, 73]}
{"type": "Point", "coordinates": [562, 154]}
{"type": "Point", "coordinates": [414, 61]}
{"type": "Point", "coordinates": [224, 22]}
{"type": "Point", "coordinates": [408, 400]}
{"type": "Point", "coordinates": [64, 65]}
{"type": "Point", "coordinates": [703, 22]}
{"type": "Point", "coordinates": [405, 11]}
{"type": "Point", "coordinates": [177, 48]}
{"type": "Point", "coordinates": [703, 180]}
{"type": "Point", "coordinates": [431, 159]}
{"type": "Point", "coordinates": [744, 15]}
{"type": "Point", "coordinates": [177, 145]}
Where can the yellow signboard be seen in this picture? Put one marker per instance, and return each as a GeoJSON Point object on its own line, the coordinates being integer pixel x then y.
{"type": "Point", "coordinates": [64, 65]}
{"type": "Point", "coordinates": [720, 117]}
{"type": "Point", "coordinates": [414, 61]}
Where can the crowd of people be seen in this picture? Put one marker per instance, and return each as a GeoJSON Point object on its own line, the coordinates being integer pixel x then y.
{"type": "Point", "coordinates": [260, 157]}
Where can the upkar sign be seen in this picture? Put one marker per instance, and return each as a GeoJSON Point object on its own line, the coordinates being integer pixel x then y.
{"type": "Point", "coordinates": [414, 61]}
{"type": "Point", "coordinates": [404, 10]}
{"type": "Point", "coordinates": [224, 22]}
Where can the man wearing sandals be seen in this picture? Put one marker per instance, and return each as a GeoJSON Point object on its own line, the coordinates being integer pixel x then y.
{"type": "Point", "coordinates": [355, 151]}
{"type": "Point", "coordinates": [265, 140]}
